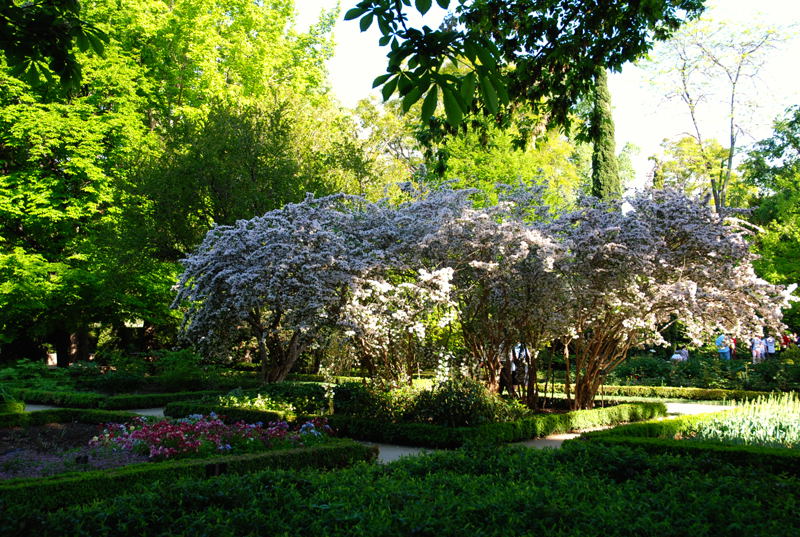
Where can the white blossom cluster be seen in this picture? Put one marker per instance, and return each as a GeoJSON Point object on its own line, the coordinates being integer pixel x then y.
{"type": "Point", "coordinates": [604, 279]}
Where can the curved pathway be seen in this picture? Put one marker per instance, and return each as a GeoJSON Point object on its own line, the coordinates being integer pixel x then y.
{"type": "Point", "coordinates": [389, 453]}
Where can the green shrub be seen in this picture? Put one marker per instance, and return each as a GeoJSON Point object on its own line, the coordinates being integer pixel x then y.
{"type": "Point", "coordinates": [115, 382]}
{"type": "Point", "coordinates": [455, 403]}
{"type": "Point", "coordinates": [69, 399]}
{"type": "Point", "coordinates": [305, 397]}
{"type": "Point", "coordinates": [228, 414]}
{"type": "Point", "coordinates": [360, 399]}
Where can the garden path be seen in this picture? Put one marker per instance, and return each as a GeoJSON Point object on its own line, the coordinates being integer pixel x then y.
{"type": "Point", "coordinates": [389, 453]}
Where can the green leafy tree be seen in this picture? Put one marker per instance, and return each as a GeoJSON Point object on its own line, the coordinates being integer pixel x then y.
{"type": "Point", "coordinates": [71, 248]}
{"type": "Point", "coordinates": [544, 52]}
{"type": "Point", "coordinates": [38, 39]}
{"type": "Point", "coordinates": [773, 166]}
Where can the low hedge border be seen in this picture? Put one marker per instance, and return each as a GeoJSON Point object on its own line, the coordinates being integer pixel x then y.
{"type": "Point", "coordinates": [109, 402]}
{"type": "Point", "coordinates": [63, 415]}
{"type": "Point", "coordinates": [181, 409]}
{"type": "Point", "coordinates": [50, 493]}
{"type": "Point", "coordinates": [672, 392]}
{"type": "Point", "coordinates": [304, 395]}
{"type": "Point", "coordinates": [658, 437]}
{"type": "Point", "coordinates": [436, 436]}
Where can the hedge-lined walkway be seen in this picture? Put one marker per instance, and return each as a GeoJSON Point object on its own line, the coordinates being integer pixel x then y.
{"type": "Point", "coordinates": [389, 452]}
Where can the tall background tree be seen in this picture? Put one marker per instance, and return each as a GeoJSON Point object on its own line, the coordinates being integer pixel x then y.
{"type": "Point", "coordinates": [711, 62]}
{"type": "Point", "coordinates": [606, 183]}
{"type": "Point", "coordinates": [106, 185]}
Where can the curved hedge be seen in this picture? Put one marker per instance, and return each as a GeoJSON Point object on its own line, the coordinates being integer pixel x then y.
{"type": "Point", "coordinates": [437, 436]}
{"type": "Point", "coordinates": [579, 491]}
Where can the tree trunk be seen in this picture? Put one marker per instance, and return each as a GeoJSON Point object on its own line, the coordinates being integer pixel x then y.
{"type": "Point", "coordinates": [281, 358]}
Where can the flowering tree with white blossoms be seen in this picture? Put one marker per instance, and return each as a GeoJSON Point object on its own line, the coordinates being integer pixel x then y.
{"type": "Point", "coordinates": [630, 274]}
{"type": "Point", "coordinates": [493, 254]}
{"type": "Point", "coordinates": [387, 322]}
{"type": "Point", "coordinates": [277, 278]}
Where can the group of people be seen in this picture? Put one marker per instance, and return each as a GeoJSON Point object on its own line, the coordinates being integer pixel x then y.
{"type": "Point", "coordinates": [761, 348]}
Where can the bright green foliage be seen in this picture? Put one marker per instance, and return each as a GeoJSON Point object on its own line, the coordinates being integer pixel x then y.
{"type": "Point", "coordinates": [483, 160]}
{"type": "Point", "coordinates": [773, 421]}
{"type": "Point", "coordinates": [774, 167]}
{"type": "Point", "coordinates": [605, 170]}
{"type": "Point", "coordinates": [197, 113]}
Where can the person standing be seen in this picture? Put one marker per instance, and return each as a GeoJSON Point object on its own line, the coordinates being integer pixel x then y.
{"type": "Point", "coordinates": [769, 344]}
{"type": "Point", "coordinates": [722, 347]}
{"type": "Point", "coordinates": [756, 346]}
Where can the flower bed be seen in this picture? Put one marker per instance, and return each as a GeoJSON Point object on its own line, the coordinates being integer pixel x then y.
{"type": "Point", "coordinates": [204, 436]}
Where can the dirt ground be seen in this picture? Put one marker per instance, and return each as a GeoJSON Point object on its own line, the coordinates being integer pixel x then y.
{"type": "Point", "coordinates": [55, 448]}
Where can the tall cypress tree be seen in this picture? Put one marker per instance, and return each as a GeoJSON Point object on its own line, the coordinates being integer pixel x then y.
{"type": "Point", "coordinates": [605, 171]}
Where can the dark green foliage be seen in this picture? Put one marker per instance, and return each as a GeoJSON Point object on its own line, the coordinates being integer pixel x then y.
{"type": "Point", "coordinates": [365, 401]}
{"type": "Point", "coordinates": [227, 414]}
{"type": "Point", "coordinates": [579, 491]}
{"type": "Point", "coordinates": [305, 397]}
{"type": "Point", "coordinates": [60, 398]}
{"type": "Point", "coordinates": [40, 37]}
{"type": "Point", "coordinates": [606, 183]}
{"type": "Point", "coordinates": [64, 415]}
{"type": "Point", "coordinates": [46, 494]}
{"type": "Point", "coordinates": [438, 436]}
{"type": "Point", "coordinates": [544, 52]}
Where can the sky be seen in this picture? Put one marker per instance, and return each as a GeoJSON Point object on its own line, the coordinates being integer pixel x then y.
{"type": "Point", "coordinates": [642, 114]}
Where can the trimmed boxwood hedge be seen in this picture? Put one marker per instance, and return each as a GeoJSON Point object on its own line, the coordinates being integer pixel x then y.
{"type": "Point", "coordinates": [181, 409]}
{"type": "Point", "coordinates": [581, 490]}
{"type": "Point", "coordinates": [110, 402]}
{"type": "Point", "coordinates": [305, 396]}
{"type": "Point", "coordinates": [660, 437]}
{"type": "Point", "coordinates": [672, 392]}
{"type": "Point", "coordinates": [63, 415]}
{"type": "Point", "coordinates": [50, 493]}
{"type": "Point", "coordinates": [436, 436]}
{"type": "Point", "coordinates": [8, 407]}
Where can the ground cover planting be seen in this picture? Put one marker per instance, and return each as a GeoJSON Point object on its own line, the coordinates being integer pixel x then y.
{"type": "Point", "coordinates": [582, 491]}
